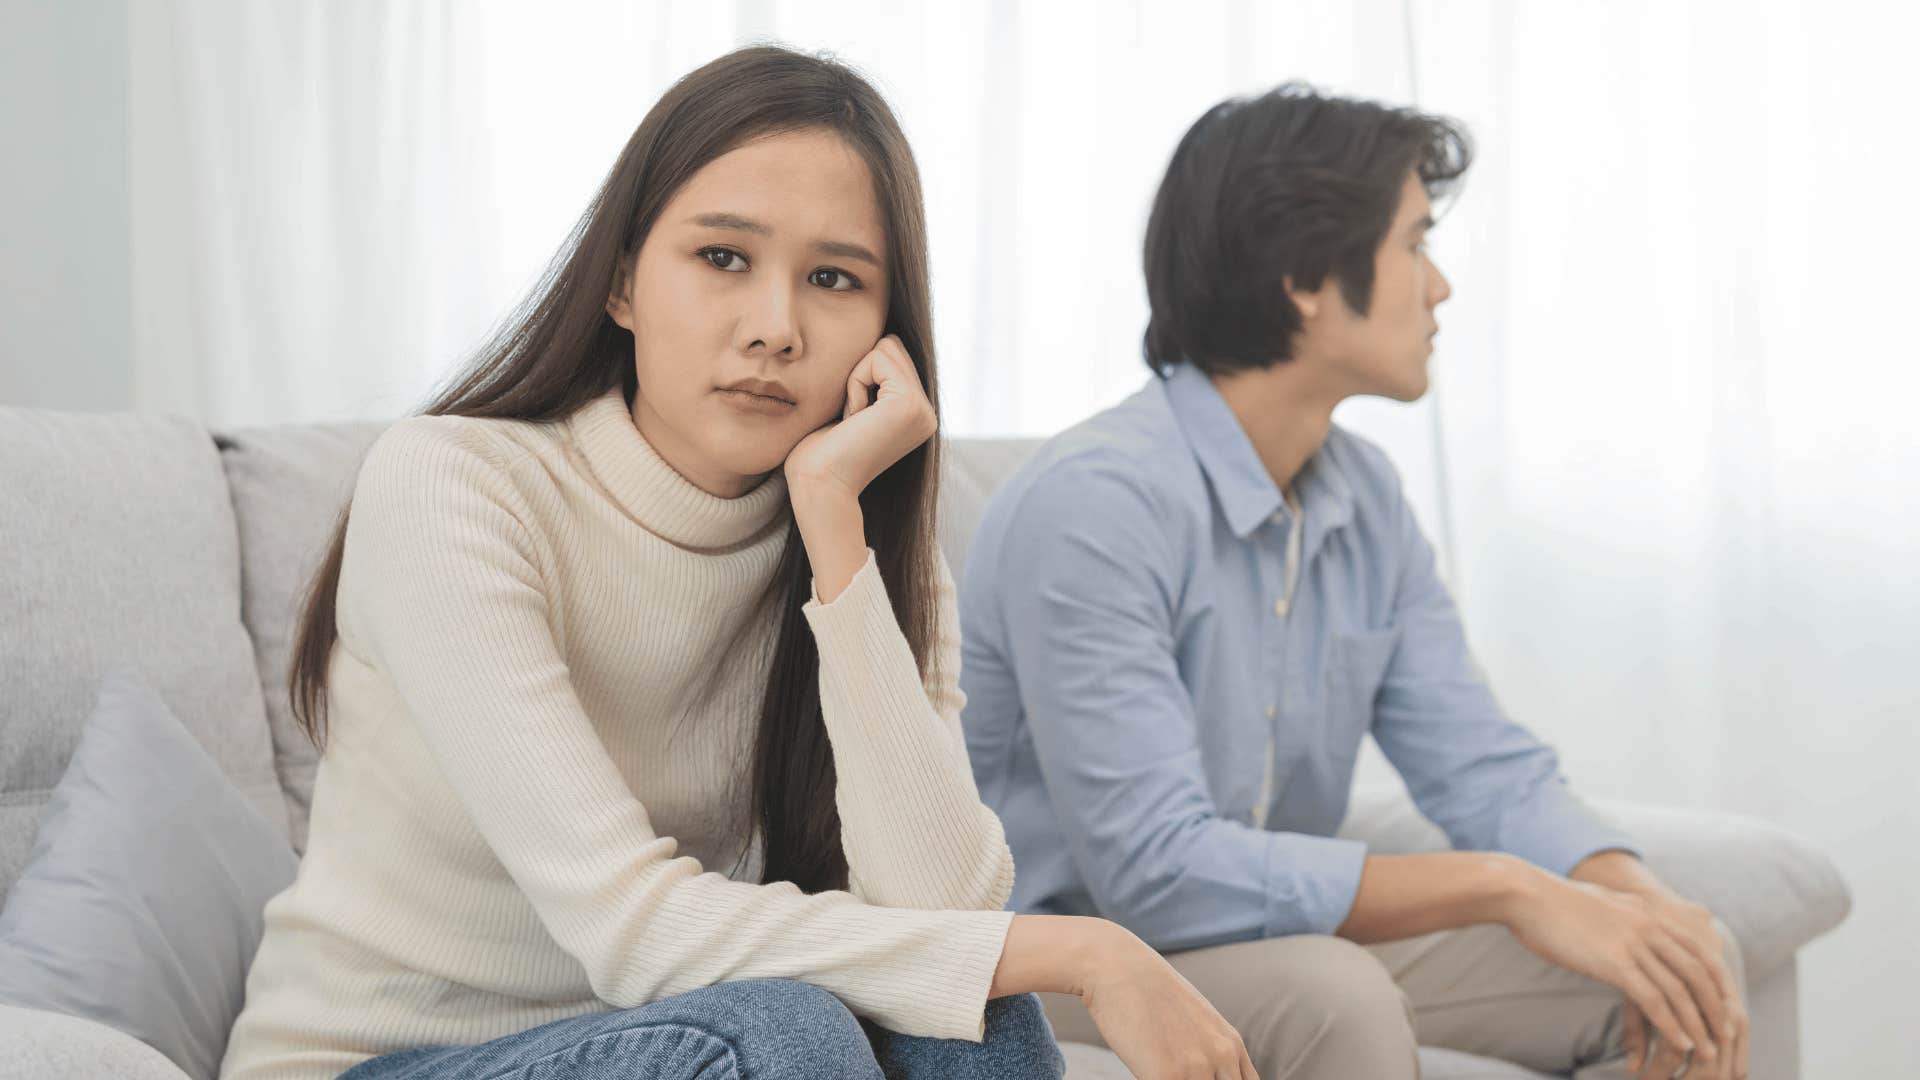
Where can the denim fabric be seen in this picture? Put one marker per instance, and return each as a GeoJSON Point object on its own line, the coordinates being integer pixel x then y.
{"type": "Point", "coordinates": [761, 1029]}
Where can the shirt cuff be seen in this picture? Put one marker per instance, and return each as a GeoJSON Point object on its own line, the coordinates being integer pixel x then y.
{"type": "Point", "coordinates": [952, 1002]}
{"type": "Point", "coordinates": [1556, 831]}
{"type": "Point", "coordinates": [1311, 882]}
{"type": "Point", "coordinates": [866, 580]}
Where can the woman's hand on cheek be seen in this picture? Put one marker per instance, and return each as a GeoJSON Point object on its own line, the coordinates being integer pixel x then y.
{"type": "Point", "coordinates": [842, 458]}
{"type": "Point", "coordinates": [831, 467]}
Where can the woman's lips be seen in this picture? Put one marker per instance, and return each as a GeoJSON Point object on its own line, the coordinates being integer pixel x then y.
{"type": "Point", "coordinates": [757, 404]}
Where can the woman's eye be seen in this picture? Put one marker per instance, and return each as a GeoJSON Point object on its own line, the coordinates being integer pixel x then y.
{"type": "Point", "coordinates": [724, 259]}
{"type": "Point", "coordinates": [837, 280]}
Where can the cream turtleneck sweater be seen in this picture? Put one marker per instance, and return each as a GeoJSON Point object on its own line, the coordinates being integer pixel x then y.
{"type": "Point", "coordinates": [534, 790]}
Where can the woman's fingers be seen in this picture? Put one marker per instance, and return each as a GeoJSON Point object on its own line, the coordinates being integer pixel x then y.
{"type": "Point", "coordinates": [858, 381]}
{"type": "Point", "coordinates": [887, 369]}
{"type": "Point", "coordinates": [893, 369]}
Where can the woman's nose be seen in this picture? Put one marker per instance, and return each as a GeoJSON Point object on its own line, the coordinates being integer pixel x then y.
{"type": "Point", "coordinates": [772, 324]}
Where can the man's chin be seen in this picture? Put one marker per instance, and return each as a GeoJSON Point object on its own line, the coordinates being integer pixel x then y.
{"type": "Point", "coordinates": [1408, 390]}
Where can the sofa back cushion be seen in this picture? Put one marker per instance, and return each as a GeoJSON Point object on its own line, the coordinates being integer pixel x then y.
{"type": "Point", "coordinates": [117, 546]}
{"type": "Point", "coordinates": [974, 470]}
{"type": "Point", "coordinates": [289, 485]}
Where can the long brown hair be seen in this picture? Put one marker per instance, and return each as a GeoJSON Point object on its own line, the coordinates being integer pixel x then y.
{"type": "Point", "coordinates": [560, 350]}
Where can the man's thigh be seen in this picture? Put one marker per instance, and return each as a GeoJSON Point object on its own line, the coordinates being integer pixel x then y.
{"type": "Point", "coordinates": [1307, 1007]}
{"type": "Point", "coordinates": [1479, 990]}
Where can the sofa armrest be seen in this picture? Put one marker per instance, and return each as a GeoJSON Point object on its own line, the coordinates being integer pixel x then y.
{"type": "Point", "coordinates": [1775, 891]}
{"type": "Point", "coordinates": [53, 1046]}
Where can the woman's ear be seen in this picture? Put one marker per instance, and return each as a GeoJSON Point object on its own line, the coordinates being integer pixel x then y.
{"type": "Point", "coordinates": [619, 302]}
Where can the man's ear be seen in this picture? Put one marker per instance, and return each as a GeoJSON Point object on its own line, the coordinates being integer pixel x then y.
{"type": "Point", "coordinates": [1308, 303]}
{"type": "Point", "coordinates": [619, 301]}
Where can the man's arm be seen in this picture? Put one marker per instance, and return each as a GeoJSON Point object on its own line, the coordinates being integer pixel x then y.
{"type": "Point", "coordinates": [1581, 898]}
{"type": "Point", "coordinates": [1485, 780]}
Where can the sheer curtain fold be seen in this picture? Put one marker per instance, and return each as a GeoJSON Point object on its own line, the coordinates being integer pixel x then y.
{"type": "Point", "coordinates": [1674, 391]}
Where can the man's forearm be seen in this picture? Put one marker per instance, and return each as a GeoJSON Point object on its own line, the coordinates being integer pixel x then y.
{"type": "Point", "coordinates": [1403, 896]}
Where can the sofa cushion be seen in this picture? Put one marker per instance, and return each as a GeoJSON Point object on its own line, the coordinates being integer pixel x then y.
{"type": "Point", "coordinates": [141, 905]}
{"type": "Point", "coordinates": [1775, 891]}
{"type": "Point", "coordinates": [117, 546]}
{"type": "Point", "coordinates": [289, 486]}
{"type": "Point", "coordinates": [51, 1046]}
{"type": "Point", "coordinates": [974, 469]}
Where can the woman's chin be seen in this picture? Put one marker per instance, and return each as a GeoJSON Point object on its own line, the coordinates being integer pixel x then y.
{"type": "Point", "coordinates": [754, 462]}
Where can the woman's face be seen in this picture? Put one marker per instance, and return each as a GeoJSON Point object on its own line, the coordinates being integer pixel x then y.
{"type": "Point", "coordinates": [760, 286]}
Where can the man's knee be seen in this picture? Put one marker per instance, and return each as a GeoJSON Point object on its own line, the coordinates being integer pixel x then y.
{"type": "Point", "coordinates": [1337, 1013]}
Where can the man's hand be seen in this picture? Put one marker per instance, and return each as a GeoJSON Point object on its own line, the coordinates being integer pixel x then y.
{"type": "Point", "coordinates": [1621, 871]}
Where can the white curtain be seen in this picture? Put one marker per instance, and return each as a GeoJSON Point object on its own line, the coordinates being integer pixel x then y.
{"type": "Point", "coordinates": [1670, 457]}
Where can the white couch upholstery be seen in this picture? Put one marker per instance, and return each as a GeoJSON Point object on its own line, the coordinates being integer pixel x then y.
{"type": "Point", "coordinates": [149, 538]}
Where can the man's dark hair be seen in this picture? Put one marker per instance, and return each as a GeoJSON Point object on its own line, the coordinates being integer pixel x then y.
{"type": "Point", "coordinates": [1290, 184]}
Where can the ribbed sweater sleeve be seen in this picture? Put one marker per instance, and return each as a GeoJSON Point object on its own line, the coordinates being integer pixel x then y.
{"type": "Point", "coordinates": [915, 831]}
{"type": "Point", "coordinates": [452, 600]}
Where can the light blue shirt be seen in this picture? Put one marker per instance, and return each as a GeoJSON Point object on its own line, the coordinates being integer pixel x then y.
{"type": "Point", "coordinates": [1169, 737]}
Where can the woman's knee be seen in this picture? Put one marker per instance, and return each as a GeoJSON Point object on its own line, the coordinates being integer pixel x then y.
{"type": "Point", "coordinates": [780, 1028]}
{"type": "Point", "coordinates": [1017, 1033]}
{"type": "Point", "coordinates": [1017, 1044]}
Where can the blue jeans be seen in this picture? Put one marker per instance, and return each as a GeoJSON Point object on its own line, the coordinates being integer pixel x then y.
{"type": "Point", "coordinates": [762, 1029]}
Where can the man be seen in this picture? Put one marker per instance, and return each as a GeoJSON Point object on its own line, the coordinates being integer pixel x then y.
{"type": "Point", "coordinates": [1183, 615]}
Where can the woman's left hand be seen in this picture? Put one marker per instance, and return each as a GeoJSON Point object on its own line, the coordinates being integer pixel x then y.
{"type": "Point", "coordinates": [841, 459]}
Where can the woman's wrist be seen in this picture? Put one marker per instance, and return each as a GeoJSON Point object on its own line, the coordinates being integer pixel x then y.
{"type": "Point", "coordinates": [833, 528]}
{"type": "Point", "coordinates": [1055, 954]}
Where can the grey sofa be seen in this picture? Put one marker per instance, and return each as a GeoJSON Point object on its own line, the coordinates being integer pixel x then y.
{"type": "Point", "coordinates": [150, 539]}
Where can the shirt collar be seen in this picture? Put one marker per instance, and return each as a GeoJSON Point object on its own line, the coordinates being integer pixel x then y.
{"type": "Point", "coordinates": [1242, 487]}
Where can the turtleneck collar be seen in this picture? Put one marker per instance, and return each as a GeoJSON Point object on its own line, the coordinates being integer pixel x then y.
{"type": "Point", "coordinates": [654, 495]}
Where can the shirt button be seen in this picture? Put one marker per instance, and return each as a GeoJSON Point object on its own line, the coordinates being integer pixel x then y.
{"type": "Point", "coordinates": [1280, 607]}
{"type": "Point", "coordinates": [1271, 711]}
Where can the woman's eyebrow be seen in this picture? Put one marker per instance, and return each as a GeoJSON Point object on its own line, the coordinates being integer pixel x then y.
{"type": "Point", "coordinates": [731, 221]}
{"type": "Point", "coordinates": [842, 248]}
{"type": "Point", "coordinates": [846, 251]}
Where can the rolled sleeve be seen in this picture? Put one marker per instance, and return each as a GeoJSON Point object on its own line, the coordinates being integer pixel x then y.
{"type": "Point", "coordinates": [1314, 880]}
{"type": "Point", "coordinates": [1556, 831]}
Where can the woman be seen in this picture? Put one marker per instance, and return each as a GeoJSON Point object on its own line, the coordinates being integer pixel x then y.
{"type": "Point", "coordinates": [651, 589]}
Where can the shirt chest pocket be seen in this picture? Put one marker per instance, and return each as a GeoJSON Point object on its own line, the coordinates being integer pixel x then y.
{"type": "Point", "coordinates": [1356, 666]}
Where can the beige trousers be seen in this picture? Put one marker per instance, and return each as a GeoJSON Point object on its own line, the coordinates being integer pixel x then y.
{"type": "Point", "coordinates": [1316, 1007]}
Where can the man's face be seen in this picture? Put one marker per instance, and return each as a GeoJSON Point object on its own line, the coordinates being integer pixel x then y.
{"type": "Point", "coordinates": [1385, 351]}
